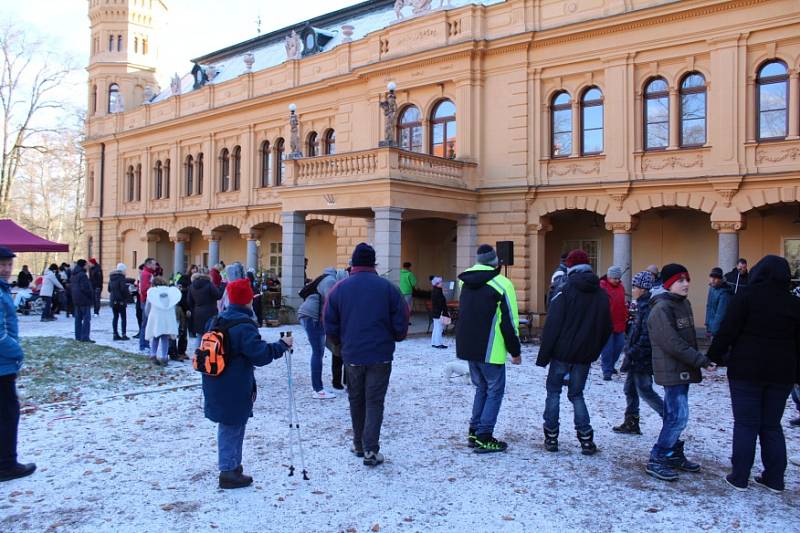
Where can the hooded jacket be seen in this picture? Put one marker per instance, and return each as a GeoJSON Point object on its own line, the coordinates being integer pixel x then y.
{"type": "Point", "coordinates": [617, 305]}
{"type": "Point", "coordinates": [202, 300]}
{"type": "Point", "coordinates": [438, 303]}
{"type": "Point", "coordinates": [145, 280]}
{"type": "Point", "coordinates": [488, 317]}
{"type": "Point", "coordinates": [96, 276]}
{"type": "Point", "coordinates": [736, 280]}
{"type": "Point", "coordinates": [160, 310]}
{"type": "Point", "coordinates": [81, 288]}
{"type": "Point", "coordinates": [676, 360]}
{"type": "Point", "coordinates": [312, 306]}
{"type": "Point", "coordinates": [716, 305]}
{"type": "Point", "coordinates": [578, 322]}
{"type": "Point", "coordinates": [762, 328]}
{"type": "Point", "coordinates": [228, 398]}
{"type": "Point", "coordinates": [118, 292]}
{"type": "Point", "coordinates": [638, 351]}
{"type": "Point", "coordinates": [10, 350]}
{"type": "Point", "coordinates": [49, 284]}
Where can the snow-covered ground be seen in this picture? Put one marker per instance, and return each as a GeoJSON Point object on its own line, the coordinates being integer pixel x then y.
{"type": "Point", "coordinates": [147, 462]}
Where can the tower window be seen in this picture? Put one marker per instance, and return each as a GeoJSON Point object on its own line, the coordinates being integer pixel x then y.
{"type": "Point", "coordinates": [144, 46]}
{"type": "Point", "coordinates": [110, 43]}
{"type": "Point", "coordinates": [113, 98]}
{"type": "Point", "coordinates": [119, 43]}
{"type": "Point", "coordinates": [135, 45]}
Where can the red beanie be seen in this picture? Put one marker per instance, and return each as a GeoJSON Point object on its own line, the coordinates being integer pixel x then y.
{"type": "Point", "coordinates": [93, 261]}
{"type": "Point", "coordinates": [576, 257]}
{"type": "Point", "coordinates": [240, 292]}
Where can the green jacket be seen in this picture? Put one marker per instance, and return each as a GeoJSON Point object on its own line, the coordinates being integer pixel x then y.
{"type": "Point", "coordinates": [407, 282]}
{"type": "Point", "coordinates": [488, 317]}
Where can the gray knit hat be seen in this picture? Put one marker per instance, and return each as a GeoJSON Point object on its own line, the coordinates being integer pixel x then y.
{"type": "Point", "coordinates": [234, 271]}
{"type": "Point", "coordinates": [615, 272]}
{"type": "Point", "coordinates": [486, 255]}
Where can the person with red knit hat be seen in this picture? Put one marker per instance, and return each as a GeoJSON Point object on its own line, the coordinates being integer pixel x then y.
{"type": "Point", "coordinates": [578, 325]}
{"type": "Point", "coordinates": [229, 397]}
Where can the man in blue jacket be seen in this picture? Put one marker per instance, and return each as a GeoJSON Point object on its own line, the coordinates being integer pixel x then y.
{"type": "Point", "coordinates": [10, 363]}
{"type": "Point", "coordinates": [366, 315]}
{"type": "Point", "coordinates": [82, 301]}
{"type": "Point", "coordinates": [229, 397]}
{"type": "Point", "coordinates": [720, 294]}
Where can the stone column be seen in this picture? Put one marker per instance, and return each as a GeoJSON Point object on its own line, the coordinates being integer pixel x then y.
{"type": "Point", "coordinates": [674, 119]}
{"type": "Point", "coordinates": [622, 250]}
{"type": "Point", "coordinates": [388, 224]}
{"type": "Point", "coordinates": [539, 277]}
{"type": "Point", "coordinates": [371, 230]}
{"type": "Point", "coordinates": [466, 242]}
{"type": "Point", "coordinates": [180, 250]}
{"type": "Point", "coordinates": [576, 127]}
{"type": "Point", "coordinates": [794, 102]}
{"type": "Point", "coordinates": [294, 252]}
{"type": "Point", "coordinates": [252, 253]}
{"type": "Point", "coordinates": [728, 244]}
{"type": "Point", "coordinates": [213, 250]}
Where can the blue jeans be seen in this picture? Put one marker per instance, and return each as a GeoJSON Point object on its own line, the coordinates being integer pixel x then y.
{"type": "Point", "coordinates": [611, 351]}
{"type": "Point", "coordinates": [490, 385]}
{"type": "Point", "coordinates": [160, 347]}
{"type": "Point", "coordinates": [577, 382]}
{"type": "Point", "coordinates": [757, 412]}
{"type": "Point", "coordinates": [143, 344]}
{"type": "Point", "coordinates": [316, 337]}
{"type": "Point", "coordinates": [638, 385]}
{"type": "Point", "coordinates": [676, 417]}
{"type": "Point", "coordinates": [230, 440]}
{"type": "Point", "coordinates": [47, 312]}
{"type": "Point", "coordinates": [83, 322]}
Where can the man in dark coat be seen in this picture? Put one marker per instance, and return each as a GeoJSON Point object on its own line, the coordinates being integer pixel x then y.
{"type": "Point", "coordinates": [676, 364]}
{"type": "Point", "coordinates": [366, 315]}
{"type": "Point", "coordinates": [24, 278]}
{"type": "Point", "coordinates": [229, 397]}
{"type": "Point", "coordinates": [202, 301]}
{"type": "Point", "coordinates": [578, 326]}
{"type": "Point", "coordinates": [638, 361]}
{"type": "Point", "coordinates": [739, 276]}
{"type": "Point", "coordinates": [82, 301]}
{"type": "Point", "coordinates": [118, 296]}
{"type": "Point", "coordinates": [96, 279]}
{"type": "Point", "coordinates": [719, 295]}
{"type": "Point", "coordinates": [759, 341]}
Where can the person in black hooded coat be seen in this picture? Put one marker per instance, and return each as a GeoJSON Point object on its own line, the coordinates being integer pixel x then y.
{"type": "Point", "coordinates": [202, 300]}
{"type": "Point", "coordinates": [759, 342]}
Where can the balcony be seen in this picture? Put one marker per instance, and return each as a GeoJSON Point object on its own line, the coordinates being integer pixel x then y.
{"type": "Point", "coordinates": [381, 163]}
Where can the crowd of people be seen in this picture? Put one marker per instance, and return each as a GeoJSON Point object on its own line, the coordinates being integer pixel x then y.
{"type": "Point", "coordinates": [752, 324]}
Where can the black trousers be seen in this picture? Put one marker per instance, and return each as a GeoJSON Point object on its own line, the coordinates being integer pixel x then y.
{"type": "Point", "coordinates": [339, 377]}
{"type": "Point", "coordinates": [9, 421]}
{"type": "Point", "coordinates": [120, 310]}
{"type": "Point", "coordinates": [367, 386]}
{"type": "Point", "coordinates": [97, 300]}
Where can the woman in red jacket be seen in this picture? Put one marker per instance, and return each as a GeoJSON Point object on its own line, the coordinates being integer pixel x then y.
{"type": "Point", "coordinates": [612, 283]}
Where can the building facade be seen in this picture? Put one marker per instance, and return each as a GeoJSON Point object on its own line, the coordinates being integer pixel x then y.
{"type": "Point", "coordinates": [644, 131]}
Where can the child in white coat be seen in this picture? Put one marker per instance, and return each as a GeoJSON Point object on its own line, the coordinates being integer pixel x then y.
{"type": "Point", "coordinates": [162, 322]}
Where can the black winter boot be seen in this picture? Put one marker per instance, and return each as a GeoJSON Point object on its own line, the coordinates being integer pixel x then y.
{"type": "Point", "coordinates": [630, 426]}
{"type": "Point", "coordinates": [234, 479]}
{"type": "Point", "coordinates": [586, 439]}
{"type": "Point", "coordinates": [551, 439]}
{"type": "Point", "coordinates": [679, 461]}
{"type": "Point", "coordinates": [471, 437]}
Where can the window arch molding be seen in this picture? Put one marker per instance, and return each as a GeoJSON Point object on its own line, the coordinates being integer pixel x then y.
{"type": "Point", "coordinates": [692, 109]}
{"type": "Point", "coordinates": [592, 119]}
{"type": "Point", "coordinates": [443, 128]}
{"type": "Point", "coordinates": [329, 142]}
{"type": "Point", "coordinates": [158, 180]}
{"type": "Point", "coordinates": [265, 163]}
{"type": "Point", "coordinates": [410, 128]}
{"type": "Point", "coordinates": [772, 100]}
{"type": "Point", "coordinates": [236, 171]}
{"type": "Point", "coordinates": [188, 175]}
{"type": "Point", "coordinates": [279, 161]}
{"type": "Point", "coordinates": [224, 170]}
{"type": "Point", "coordinates": [655, 113]}
{"type": "Point", "coordinates": [312, 144]}
{"type": "Point", "coordinates": [561, 120]}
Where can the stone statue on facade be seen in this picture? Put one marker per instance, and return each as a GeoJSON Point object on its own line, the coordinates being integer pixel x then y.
{"type": "Point", "coordinates": [389, 107]}
{"type": "Point", "coordinates": [249, 59]}
{"type": "Point", "coordinates": [294, 134]}
{"type": "Point", "coordinates": [175, 85]}
{"type": "Point", "coordinates": [293, 46]}
{"type": "Point", "coordinates": [419, 7]}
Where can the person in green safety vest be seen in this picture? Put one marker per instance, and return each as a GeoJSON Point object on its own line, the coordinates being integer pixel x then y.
{"type": "Point", "coordinates": [408, 282]}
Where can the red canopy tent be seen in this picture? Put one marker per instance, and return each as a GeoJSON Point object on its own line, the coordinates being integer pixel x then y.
{"type": "Point", "coordinates": [19, 239]}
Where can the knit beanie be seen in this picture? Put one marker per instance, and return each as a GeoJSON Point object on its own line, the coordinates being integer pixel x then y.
{"type": "Point", "coordinates": [240, 292]}
{"type": "Point", "coordinates": [486, 255]}
{"type": "Point", "coordinates": [93, 261]}
{"type": "Point", "coordinates": [436, 280]}
{"type": "Point", "coordinates": [644, 280]}
{"type": "Point", "coordinates": [234, 271]}
{"type": "Point", "coordinates": [121, 267]}
{"type": "Point", "coordinates": [576, 257]}
{"type": "Point", "coordinates": [615, 272]}
{"type": "Point", "coordinates": [716, 272]}
{"type": "Point", "coordinates": [363, 255]}
{"type": "Point", "coordinates": [672, 273]}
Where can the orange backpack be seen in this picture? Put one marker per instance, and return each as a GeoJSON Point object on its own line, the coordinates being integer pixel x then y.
{"type": "Point", "coordinates": [214, 351]}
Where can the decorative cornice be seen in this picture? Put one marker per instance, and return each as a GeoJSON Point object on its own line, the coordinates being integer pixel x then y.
{"type": "Point", "coordinates": [727, 227]}
{"type": "Point", "coordinates": [573, 169]}
{"type": "Point", "coordinates": [766, 155]}
{"type": "Point", "coordinates": [622, 227]}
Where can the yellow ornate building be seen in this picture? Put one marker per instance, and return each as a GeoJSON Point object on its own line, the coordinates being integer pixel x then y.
{"type": "Point", "coordinates": [644, 131]}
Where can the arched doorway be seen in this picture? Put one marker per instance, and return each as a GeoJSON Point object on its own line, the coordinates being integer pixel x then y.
{"type": "Point", "coordinates": [772, 229]}
{"type": "Point", "coordinates": [232, 247]}
{"type": "Point", "coordinates": [429, 244]}
{"type": "Point", "coordinates": [320, 247]}
{"type": "Point", "coordinates": [160, 248]}
{"type": "Point", "coordinates": [578, 229]}
{"type": "Point", "coordinates": [195, 247]}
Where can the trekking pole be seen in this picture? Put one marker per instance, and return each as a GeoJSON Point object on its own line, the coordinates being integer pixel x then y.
{"type": "Point", "coordinates": [289, 414]}
{"type": "Point", "coordinates": [294, 422]}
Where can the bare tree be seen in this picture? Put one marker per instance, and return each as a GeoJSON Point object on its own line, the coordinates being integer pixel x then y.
{"type": "Point", "coordinates": [29, 80]}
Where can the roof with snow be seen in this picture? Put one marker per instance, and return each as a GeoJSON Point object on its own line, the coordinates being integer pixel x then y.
{"type": "Point", "coordinates": [269, 49]}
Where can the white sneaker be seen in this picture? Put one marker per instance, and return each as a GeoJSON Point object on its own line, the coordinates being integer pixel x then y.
{"type": "Point", "coordinates": [323, 395]}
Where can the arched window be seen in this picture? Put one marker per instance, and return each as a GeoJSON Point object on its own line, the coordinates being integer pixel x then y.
{"type": "Point", "coordinates": [409, 129]}
{"type": "Point", "coordinates": [280, 157]}
{"type": "Point", "coordinates": [266, 164]}
{"type": "Point", "coordinates": [329, 142]}
{"type": "Point", "coordinates": [113, 98]}
{"type": "Point", "coordinates": [139, 182]}
{"type": "Point", "coordinates": [311, 144]}
{"type": "Point", "coordinates": [135, 45]}
{"type": "Point", "coordinates": [110, 43]}
{"type": "Point", "coordinates": [656, 114]}
{"type": "Point", "coordinates": [130, 184]}
{"type": "Point", "coordinates": [200, 171]}
{"type": "Point", "coordinates": [237, 167]}
{"type": "Point", "coordinates": [94, 99]}
{"type": "Point", "coordinates": [144, 46]}
{"type": "Point", "coordinates": [443, 130]}
{"type": "Point", "coordinates": [189, 175]}
{"type": "Point", "coordinates": [561, 125]}
{"type": "Point", "coordinates": [592, 121]}
{"type": "Point", "coordinates": [158, 188]}
{"type": "Point", "coordinates": [693, 110]}
{"type": "Point", "coordinates": [119, 43]}
{"type": "Point", "coordinates": [224, 170]}
{"type": "Point", "coordinates": [771, 103]}
{"type": "Point", "coordinates": [167, 165]}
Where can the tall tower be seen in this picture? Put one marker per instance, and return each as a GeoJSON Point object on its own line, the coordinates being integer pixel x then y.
{"type": "Point", "coordinates": [123, 53]}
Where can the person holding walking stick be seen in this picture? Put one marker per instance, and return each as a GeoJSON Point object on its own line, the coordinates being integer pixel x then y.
{"type": "Point", "coordinates": [229, 396]}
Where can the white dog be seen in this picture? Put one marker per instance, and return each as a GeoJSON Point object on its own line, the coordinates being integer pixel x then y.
{"type": "Point", "coordinates": [457, 369]}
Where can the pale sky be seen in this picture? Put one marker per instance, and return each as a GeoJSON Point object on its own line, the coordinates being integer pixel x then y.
{"type": "Point", "coordinates": [194, 28]}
